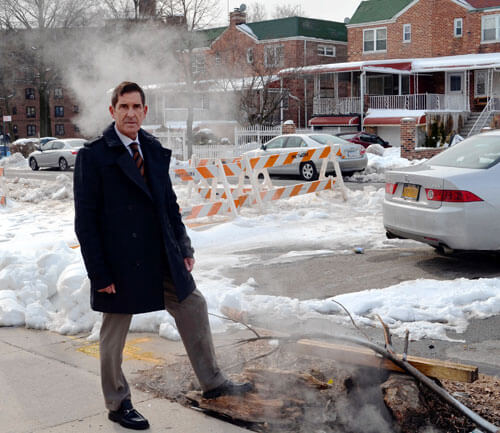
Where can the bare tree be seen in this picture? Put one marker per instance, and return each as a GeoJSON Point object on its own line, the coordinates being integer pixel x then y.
{"type": "Point", "coordinates": [256, 11]}
{"type": "Point", "coordinates": [288, 10]}
{"type": "Point", "coordinates": [35, 22]}
{"type": "Point", "coordinates": [196, 15]}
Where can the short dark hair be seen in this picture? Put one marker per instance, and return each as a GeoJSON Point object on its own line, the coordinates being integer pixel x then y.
{"type": "Point", "coordinates": [127, 87]}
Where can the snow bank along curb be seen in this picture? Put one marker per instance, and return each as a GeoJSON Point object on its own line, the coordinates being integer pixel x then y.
{"type": "Point", "coordinates": [226, 200]}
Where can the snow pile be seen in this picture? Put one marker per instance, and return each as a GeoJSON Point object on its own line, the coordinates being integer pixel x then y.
{"type": "Point", "coordinates": [36, 191]}
{"type": "Point", "coordinates": [43, 281]}
{"type": "Point", "coordinates": [378, 165]}
{"type": "Point", "coordinates": [15, 161]}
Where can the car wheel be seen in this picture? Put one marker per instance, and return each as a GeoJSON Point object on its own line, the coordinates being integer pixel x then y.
{"type": "Point", "coordinates": [34, 164]}
{"type": "Point", "coordinates": [308, 171]}
{"type": "Point", "coordinates": [63, 164]}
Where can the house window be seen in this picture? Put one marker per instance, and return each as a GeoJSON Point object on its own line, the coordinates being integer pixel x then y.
{"type": "Point", "coordinates": [58, 93]}
{"type": "Point", "coordinates": [406, 32]}
{"type": "Point", "coordinates": [59, 111]}
{"type": "Point", "coordinates": [14, 129]}
{"type": "Point", "coordinates": [198, 63]}
{"type": "Point", "coordinates": [250, 55]}
{"type": "Point", "coordinates": [59, 129]}
{"type": "Point", "coordinates": [30, 112]}
{"type": "Point", "coordinates": [455, 83]}
{"type": "Point", "coordinates": [326, 50]}
{"type": "Point", "coordinates": [458, 26]}
{"type": "Point", "coordinates": [29, 93]}
{"type": "Point", "coordinates": [285, 100]}
{"type": "Point", "coordinates": [76, 109]}
{"type": "Point", "coordinates": [30, 130]}
{"type": "Point", "coordinates": [490, 28]}
{"type": "Point", "coordinates": [14, 110]}
{"type": "Point", "coordinates": [218, 59]}
{"type": "Point", "coordinates": [76, 129]}
{"type": "Point", "coordinates": [480, 83]}
{"type": "Point", "coordinates": [273, 55]}
{"type": "Point", "coordinates": [375, 40]}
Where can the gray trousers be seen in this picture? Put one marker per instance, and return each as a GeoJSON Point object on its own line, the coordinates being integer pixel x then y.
{"type": "Point", "coordinates": [191, 318]}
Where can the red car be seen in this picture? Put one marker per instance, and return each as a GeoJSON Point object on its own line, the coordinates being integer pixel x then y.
{"type": "Point", "coordinates": [364, 138]}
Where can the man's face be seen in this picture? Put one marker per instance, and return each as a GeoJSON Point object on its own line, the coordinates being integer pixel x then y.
{"type": "Point", "coordinates": [129, 114]}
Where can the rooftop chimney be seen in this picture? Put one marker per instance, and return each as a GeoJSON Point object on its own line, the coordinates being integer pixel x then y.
{"type": "Point", "coordinates": [147, 8]}
{"type": "Point", "coordinates": [237, 17]}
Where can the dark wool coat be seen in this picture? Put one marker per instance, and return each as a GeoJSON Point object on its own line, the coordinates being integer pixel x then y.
{"type": "Point", "coordinates": [130, 230]}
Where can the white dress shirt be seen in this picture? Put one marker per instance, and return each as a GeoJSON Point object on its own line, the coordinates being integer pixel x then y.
{"type": "Point", "coordinates": [127, 141]}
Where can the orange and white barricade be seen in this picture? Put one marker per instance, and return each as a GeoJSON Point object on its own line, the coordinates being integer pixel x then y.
{"type": "Point", "coordinates": [205, 176]}
{"type": "Point", "coordinates": [3, 190]}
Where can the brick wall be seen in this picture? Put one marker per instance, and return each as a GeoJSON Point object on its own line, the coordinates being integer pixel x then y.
{"type": "Point", "coordinates": [409, 139]}
{"type": "Point", "coordinates": [432, 33]}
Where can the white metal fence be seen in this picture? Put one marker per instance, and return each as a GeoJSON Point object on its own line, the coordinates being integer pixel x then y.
{"type": "Point", "coordinates": [246, 139]}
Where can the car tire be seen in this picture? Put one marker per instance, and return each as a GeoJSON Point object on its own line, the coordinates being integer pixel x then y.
{"type": "Point", "coordinates": [308, 171]}
{"type": "Point", "coordinates": [33, 164]}
{"type": "Point", "coordinates": [63, 164]}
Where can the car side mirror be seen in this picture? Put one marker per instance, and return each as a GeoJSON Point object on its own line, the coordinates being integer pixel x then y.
{"type": "Point", "coordinates": [263, 147]}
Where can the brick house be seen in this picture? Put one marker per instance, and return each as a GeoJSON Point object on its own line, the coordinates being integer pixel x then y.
{"type": "Point", "coordinates": [242, 61]}
{"type": "Point", "coordinates": [433, 60]}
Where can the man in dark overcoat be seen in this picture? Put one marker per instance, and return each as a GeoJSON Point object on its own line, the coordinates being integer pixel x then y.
{"type": "Point", "coordinates": [137, 252]}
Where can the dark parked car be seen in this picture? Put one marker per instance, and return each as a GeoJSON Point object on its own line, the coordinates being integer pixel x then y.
{"type": "Point", "coordinates": [364, 138]}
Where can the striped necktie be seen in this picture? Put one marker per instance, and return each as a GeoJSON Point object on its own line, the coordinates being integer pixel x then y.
{"type": "Point", "coordinates": [139, 162]}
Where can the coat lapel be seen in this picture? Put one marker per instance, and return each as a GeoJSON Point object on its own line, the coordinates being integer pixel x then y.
{"type": "Point", "coordinates": [156, 163]}
{"type": "Point", "coordinates": [125, 161]}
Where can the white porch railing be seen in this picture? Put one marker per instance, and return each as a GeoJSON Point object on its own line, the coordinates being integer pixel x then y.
{"type": "Point", "coordinates": [336, 106]}
{"type": "Point", "coordinates": [422, 101]}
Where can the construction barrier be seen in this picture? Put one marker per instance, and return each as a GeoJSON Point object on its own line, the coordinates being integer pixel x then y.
{"type": "Point", "coordinates": [208, 178]}
{"type": "Point", "coordinates": [3, 190]}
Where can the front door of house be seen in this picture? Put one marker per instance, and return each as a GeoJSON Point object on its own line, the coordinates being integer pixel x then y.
{"type": "Point", "coordinates": [455, 90]}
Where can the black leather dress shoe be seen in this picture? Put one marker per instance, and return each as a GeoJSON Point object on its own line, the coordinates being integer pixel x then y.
{"type": "Point", "coordinates": [228, 388]}
{"type": "Point", "coordinates": [128, 417]}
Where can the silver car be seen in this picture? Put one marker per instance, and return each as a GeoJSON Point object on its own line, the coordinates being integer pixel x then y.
{"type": "Point", "coordinates": [353, 155]}
{"type": "Point", "coordinates": [56, 153]}
{"type": "Point", "coordinates": [451, 201]}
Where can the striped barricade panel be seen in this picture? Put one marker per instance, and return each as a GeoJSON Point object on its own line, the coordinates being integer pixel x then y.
{"type": "Point", "coordinates": [205, 210]}
{"type": "Point", "coordinates": [293, 157]}
{"type": "Point", "coordinates": [288, 191]}
{"type": "Point", "coordinates": [206, 172]}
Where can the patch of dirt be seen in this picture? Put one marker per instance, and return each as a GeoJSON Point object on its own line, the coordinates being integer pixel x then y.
{"type": "Point", "coordinates": [306, 394]}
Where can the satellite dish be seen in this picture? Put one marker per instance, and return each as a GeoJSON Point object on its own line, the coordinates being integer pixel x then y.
{"type": "Point", "coordinates": [243, 7]}
{"type": "Point", "coordinates": [346, 20]}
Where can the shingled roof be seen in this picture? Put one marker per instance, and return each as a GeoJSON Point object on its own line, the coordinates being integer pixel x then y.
{"type": "Point", "coordinates": [283, 28]}
{"type": "Point", "coordinates": [380, 10]}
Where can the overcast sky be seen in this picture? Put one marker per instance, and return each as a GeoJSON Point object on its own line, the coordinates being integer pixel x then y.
{"type": "Point", "coordinates": [333, 10]}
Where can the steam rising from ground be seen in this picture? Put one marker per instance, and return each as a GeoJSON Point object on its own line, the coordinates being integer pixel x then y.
{"type": "Point", "coordinates": [94, 60]}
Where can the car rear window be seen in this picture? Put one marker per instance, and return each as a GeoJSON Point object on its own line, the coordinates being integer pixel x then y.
{"type": "Point", "coordinates": [325, 139]}
{"type": "Point", "coordinates": [481, 151]}
{"type": "Point", "coordinates": [78, 143]}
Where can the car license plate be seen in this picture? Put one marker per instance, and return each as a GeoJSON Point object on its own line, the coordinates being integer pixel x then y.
{"type": "Point", "coordinates": [352, 153]}
{"type": "Point", "coordinates": [410, 192]}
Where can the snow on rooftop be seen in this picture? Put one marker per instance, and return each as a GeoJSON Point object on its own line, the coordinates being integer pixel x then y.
{"type": "Point", "coordinates": [246, 29]}
{"type": "Point", "coordinates": [466, 61]}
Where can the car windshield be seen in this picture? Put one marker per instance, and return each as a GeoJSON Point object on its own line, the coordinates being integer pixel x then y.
{"type": "Point", "coordinates": [327, 139]}
{"type": "Point", "coordinates": [77, 143]}
{"type": "Point", "coordinates": [481, 151]}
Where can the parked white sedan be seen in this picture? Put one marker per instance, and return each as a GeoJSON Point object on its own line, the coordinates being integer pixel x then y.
{"type": "Point", "coordinates": [56, 153]}
{"type": "Point", "coordinates": [451, 201]}
{"type": "Point", "coordinates": [353, 155]}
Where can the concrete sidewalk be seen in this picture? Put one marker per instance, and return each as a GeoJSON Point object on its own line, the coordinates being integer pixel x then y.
{"type": "Point", "coordinates": [50, 383]}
